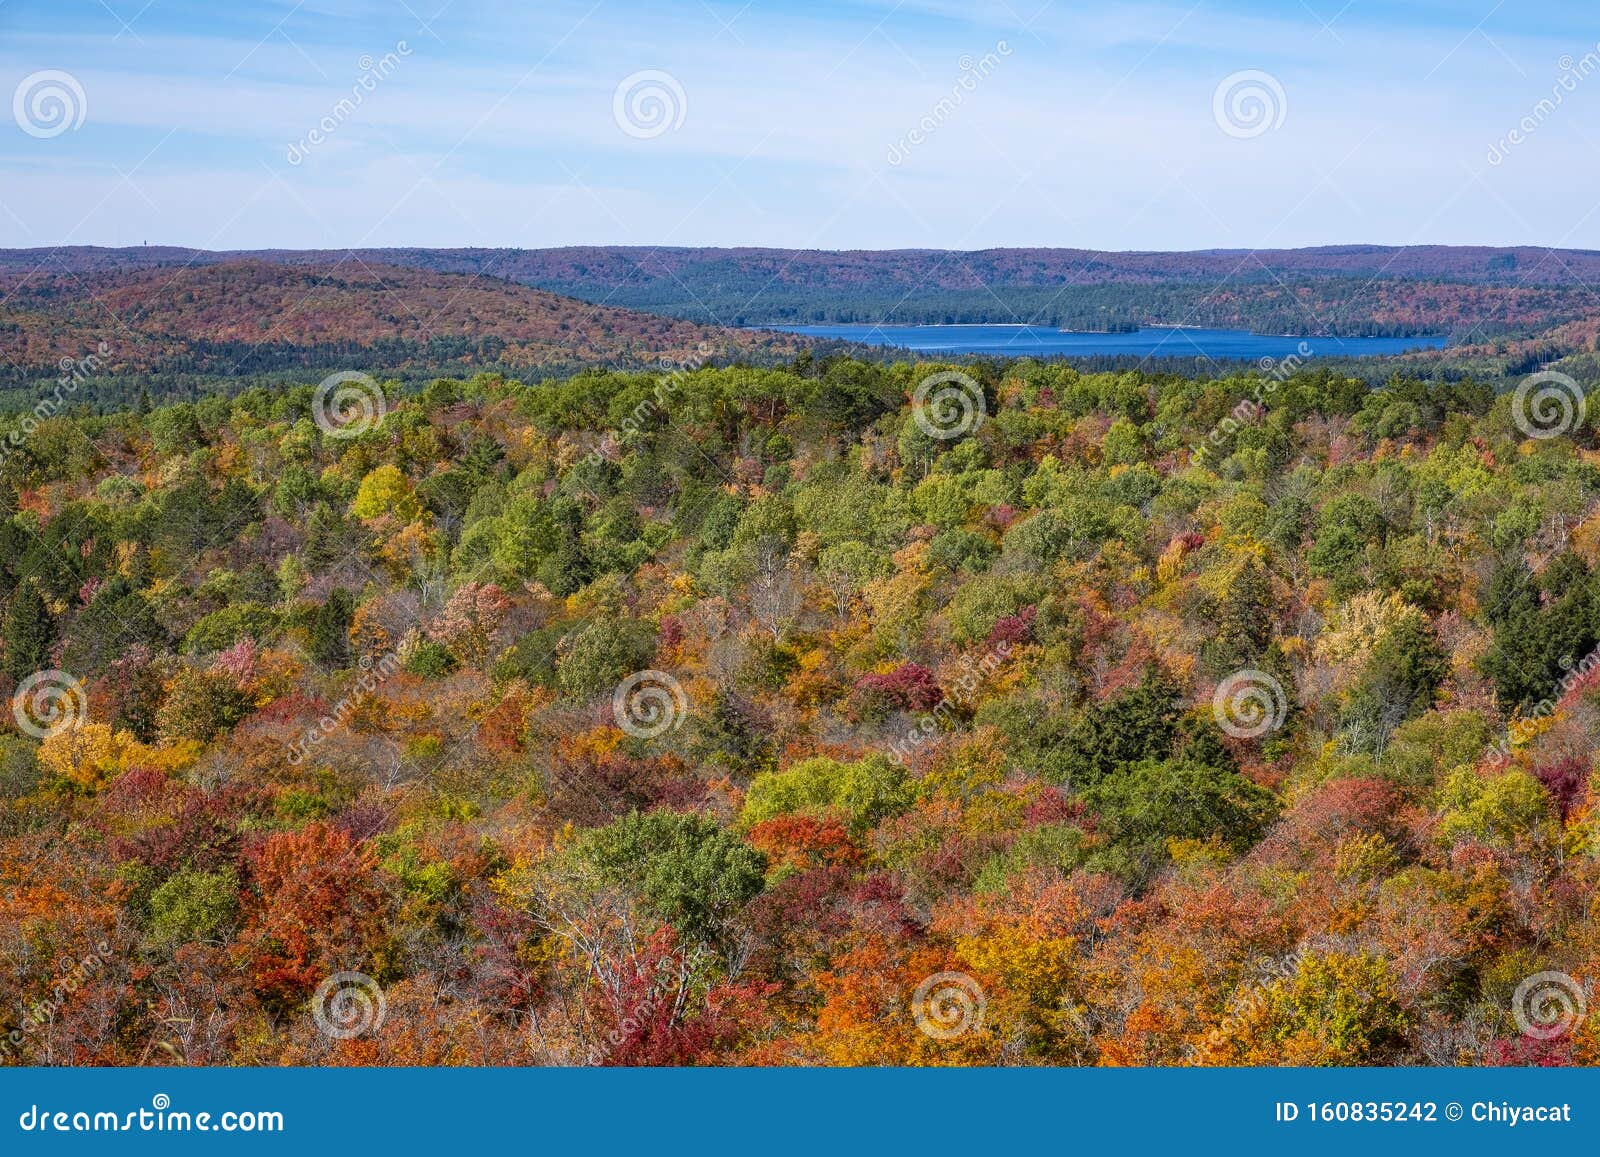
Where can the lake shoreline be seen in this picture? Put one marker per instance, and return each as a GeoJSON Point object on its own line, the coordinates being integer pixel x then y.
{"type": "Point", "coordinates": [1153, 341]}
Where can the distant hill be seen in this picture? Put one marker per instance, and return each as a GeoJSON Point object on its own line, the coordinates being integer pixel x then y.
{"type": "Point", "coordinates": [225, 318]}
{"type": "Point", "coordinates": [614, 264]}
{"type": "Point", "coordinates": [1471, 293]}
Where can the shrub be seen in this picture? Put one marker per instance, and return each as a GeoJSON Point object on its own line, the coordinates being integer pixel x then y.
{"type": "Point", "coordinates": [909, 687]}
{"type": "Point", "coordinates": [865, 792]}
{"type": "Point", "coordinates": [193, 906]}
{"type": "Point", "coordinates": [692, 872]}
{"type": "Point", "coordinates": [430, 660]}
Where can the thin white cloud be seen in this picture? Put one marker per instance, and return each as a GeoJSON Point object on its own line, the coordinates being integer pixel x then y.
{"type": "Point", "coordinates": [1066, 143]}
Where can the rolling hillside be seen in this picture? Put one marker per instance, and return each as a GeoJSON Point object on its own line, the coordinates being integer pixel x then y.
{"type": "Point", "coordinates": [1472, 293]}
{"type": "Point", "coordinates": [249, 316]}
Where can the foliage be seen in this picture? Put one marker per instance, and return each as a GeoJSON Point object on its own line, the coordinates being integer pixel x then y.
{"type": "Point", "coordinates": [976, 707]}
{"type": "Point", "coordinates": [864, 792]}
{"type": "Point", "coordinates": [691, 872]}
{"type": "Point", "coordinates": [191, 906]}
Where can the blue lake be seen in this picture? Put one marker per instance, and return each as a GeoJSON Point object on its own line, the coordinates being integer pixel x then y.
{"type": "Point", "coordinates": [1156, 342]}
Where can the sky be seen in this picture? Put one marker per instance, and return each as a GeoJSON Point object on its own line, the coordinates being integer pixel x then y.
{"type": "Point", "coordinates": [832, 124]}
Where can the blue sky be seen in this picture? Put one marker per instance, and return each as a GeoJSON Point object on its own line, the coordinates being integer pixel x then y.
{"type": "Point", "coordinates": [842, 124]}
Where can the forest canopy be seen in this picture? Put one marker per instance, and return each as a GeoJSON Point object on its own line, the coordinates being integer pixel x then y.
{"type": "Point", "coordinates": [805, 714]}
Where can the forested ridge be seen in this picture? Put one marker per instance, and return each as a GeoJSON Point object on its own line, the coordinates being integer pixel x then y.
{"type": "Point", "coordinates": [836, 713]}
{"type": "Point", "coordinates": [161, 330]}
{"type": "Point", "coordinates": [1474, 295]}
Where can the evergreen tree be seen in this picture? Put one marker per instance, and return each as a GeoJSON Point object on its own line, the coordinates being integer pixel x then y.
{"type": "Point", "coordinates": [29, 631]}
{"type": "Point", "coordinates": [330, 629]}
{"type": "Point", "coordinates": [325, 538]}
{"type": "Point", "coordinates": [1542, 628]}
{"type": "Point", "coordinates": [728, 734]}
{"type": "Point", "coordinates": [1137, 725]}
{"type": "Point", "coordinates": [1244, 629]}
{"type": "Point", "coordinates": [568, 568]}
{"type": "Point", "coordinates": [119, 617]}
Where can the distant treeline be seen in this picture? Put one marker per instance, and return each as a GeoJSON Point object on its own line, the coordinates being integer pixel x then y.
{"type": "Point", "coordinates": [1326, 308]}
